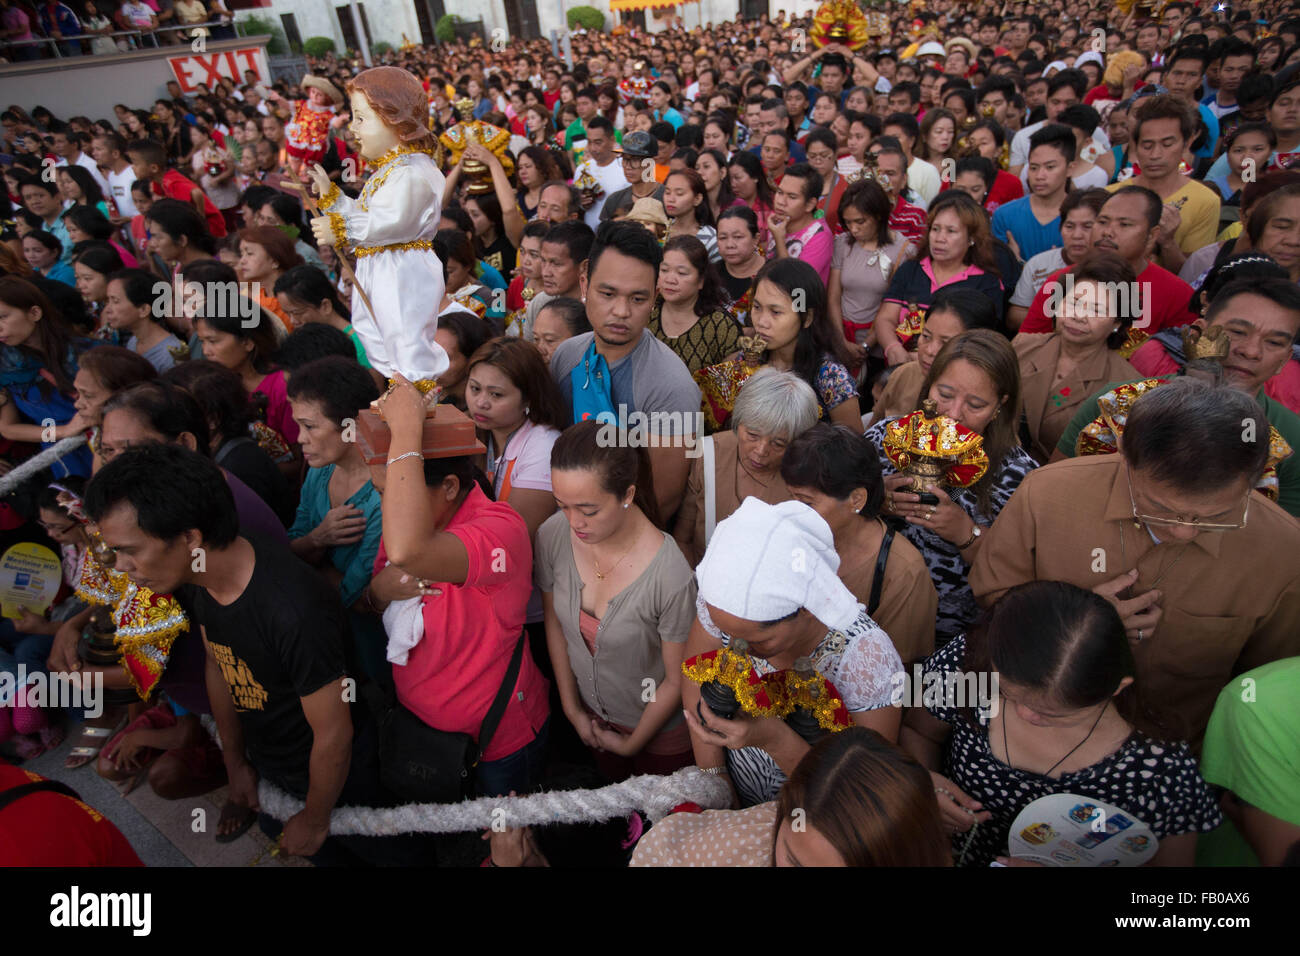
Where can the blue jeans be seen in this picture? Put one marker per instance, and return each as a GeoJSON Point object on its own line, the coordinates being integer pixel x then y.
{"type": "Point", "coordinates": [521, 771]}
{"type": "Point", "coordinates": [30, 649]}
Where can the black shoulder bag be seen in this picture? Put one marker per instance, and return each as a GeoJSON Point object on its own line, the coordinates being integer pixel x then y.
{"type": "Point", "coordinates": [878, 579]}
{"type": "Point", "coordinates": [425, 765]}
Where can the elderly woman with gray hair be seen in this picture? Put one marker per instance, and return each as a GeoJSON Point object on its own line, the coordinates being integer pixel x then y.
{"type": "Point", "coordinates": [773, 408]}
{"type": "Point", "coordinates": [769, 578]}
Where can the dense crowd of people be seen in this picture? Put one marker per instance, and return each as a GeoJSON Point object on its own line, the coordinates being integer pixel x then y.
{"type": "Point", "coordinates": [1070, 230]}
{"type": "Point", "coordinates": [37, 29]}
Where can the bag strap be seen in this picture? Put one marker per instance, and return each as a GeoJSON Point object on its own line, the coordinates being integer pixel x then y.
{"type": "Point", "coordinates": [710, 489]}
{"type": "Point", "coordinates": [878, 578]}
{"type": "Point", "coordinates": [498, 708]}
{"type": "Point", "coordinates": [53, 786]}
{"type": "Point", "coordinates": [225, 450]}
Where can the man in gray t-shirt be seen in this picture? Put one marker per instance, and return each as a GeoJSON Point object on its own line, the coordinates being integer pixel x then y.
{"type": "Point", "coordinates": [651, 379]}
{"type": "Point", "coordinates": [653, 394]}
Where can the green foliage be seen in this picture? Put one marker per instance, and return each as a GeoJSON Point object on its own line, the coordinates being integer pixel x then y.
{"type": "Point", "coordinates": [589, 18]}
{"type": "Point", "coordinates": [380, 48]}
{"type": "Point", "coordinates": [318, 46]}
{"type": "Point", "coordinates": [260, 26]}
{"type": "Point", "coordinates": [444, 31]}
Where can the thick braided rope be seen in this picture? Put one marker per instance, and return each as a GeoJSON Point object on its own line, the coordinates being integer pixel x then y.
{"type": "Point", "coordinates": [654, 795]}
{"type": "Point", "coordinates": [651, 794]}
{"type": "Point", "coordinates": [45, 459]}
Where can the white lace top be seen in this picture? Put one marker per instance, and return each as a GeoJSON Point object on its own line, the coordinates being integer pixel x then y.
{"type": "Point", "coordinates": [860, 661]}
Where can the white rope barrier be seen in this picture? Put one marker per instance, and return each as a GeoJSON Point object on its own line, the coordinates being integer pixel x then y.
{"type": "Point", "coordinates": [653, 795]}
{"type": "Point", "coordinates": [45, 459]}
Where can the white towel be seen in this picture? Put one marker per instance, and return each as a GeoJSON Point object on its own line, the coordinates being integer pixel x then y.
{"type": "Point", "coordinates": [404, 622]}
{"type": "Point", "coordinates": [767, 561]}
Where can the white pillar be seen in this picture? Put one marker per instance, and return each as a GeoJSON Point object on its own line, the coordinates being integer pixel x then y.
{"type": "Point", "coordinates": [360, 29]}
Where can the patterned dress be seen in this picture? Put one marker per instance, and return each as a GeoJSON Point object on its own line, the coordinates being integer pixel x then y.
{"type": "Point", "coordinates": [1154, 781]}
{"type": "Point", "coordinates": [710, 340]}
{"type": "Point", "coordinates": [948, 568]}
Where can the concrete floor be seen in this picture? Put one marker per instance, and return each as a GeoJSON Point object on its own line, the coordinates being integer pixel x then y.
{"type": "Point", "coordinates": [162, 832]}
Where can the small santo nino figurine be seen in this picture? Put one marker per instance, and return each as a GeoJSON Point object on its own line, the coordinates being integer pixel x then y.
{"type": "Point", "coordinates": [307, 135]}
{"type": "Point", "coordinates": [390, 227]}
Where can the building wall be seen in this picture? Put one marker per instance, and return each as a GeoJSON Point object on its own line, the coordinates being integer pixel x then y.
{"type": "Point", "coordinates": [92, 85]}
{"type": "Point", "coordinates": [388, 19]}
{"type": "Point", "coordinates": [706, 11]}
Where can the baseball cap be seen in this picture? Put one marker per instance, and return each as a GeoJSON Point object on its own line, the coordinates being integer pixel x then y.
{"type": "Point", "coordinates": [640, 145]}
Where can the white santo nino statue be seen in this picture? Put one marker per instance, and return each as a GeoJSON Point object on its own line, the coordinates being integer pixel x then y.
{"type": "Point", "coordinates": [390, 227]}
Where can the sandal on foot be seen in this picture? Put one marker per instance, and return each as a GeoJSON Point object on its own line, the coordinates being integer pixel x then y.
{"type": "Point", "coordinates": [233, 811]}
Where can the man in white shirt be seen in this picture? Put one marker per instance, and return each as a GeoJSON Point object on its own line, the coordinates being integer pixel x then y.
{"type": "Point", "coordinates": [1063, 89]}
{"type": "Point", "coordinates": [108, 151]}
{"type": "Point", "coordinates": [703, 87]}
{"type": "Point", "coordinates": [67, 145]}
{"type": "Point", "coordinates": [1234, 63]}
{"type": "Point", "coordinates": [921, 176]}
{"type": "Point", "coordinates": [603, 164]}
{"type": "Point", "coordinates": [255, 100]}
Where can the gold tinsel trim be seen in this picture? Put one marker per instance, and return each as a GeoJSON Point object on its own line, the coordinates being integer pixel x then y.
{"type": "Point", "coordinates": [399, 151]}
{"type": "Point", "coordinates": [147, 621]}
{"type": "Point", "coordinates": [331, 197]}
{"type": "Point", "coordinates": [99, 585]}
{"type": "Point", "coordinates": [142, 692]}
{"type": "Point", "coordinates": [339, 227]}
{"type": "Point", "coordinates": [812, 695]}
{"type": "Point", "coordinates": [424, 385]}
{"type": "Point", "coordinates": [372, 185]}
{"type": "Point", "coordinates": [420, 244]}
{"type": "Point", "coordinates": [726, 670]}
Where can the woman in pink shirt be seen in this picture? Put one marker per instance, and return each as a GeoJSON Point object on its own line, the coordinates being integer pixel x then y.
{"type": "Point", "coordinates": [468, 561]}
{"type": "Point", "coordinates": [85, 223]}
{"type": "Point", "coordinates": [247, 350]}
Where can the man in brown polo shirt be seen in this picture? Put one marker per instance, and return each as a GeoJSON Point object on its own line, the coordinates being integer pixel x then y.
{"type": "Point", "coordinates": [1202, 569]}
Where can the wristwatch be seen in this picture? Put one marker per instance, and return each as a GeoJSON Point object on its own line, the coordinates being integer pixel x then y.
{"type": "Point", "coordinates": [971, 540]}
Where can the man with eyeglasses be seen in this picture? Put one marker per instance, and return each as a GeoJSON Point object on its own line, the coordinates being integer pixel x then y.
{"type": "Point", "coordinates": [1261, 318]}
{"type": "Point", "coordinates": [638, 159]}
{"type": "Point", "coordinates": [1170, 531]}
